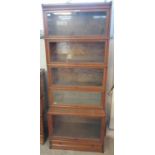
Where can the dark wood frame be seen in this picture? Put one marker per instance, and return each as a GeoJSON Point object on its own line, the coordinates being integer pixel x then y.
{"type": "Point", "coordinates": [85, 110]}
{"type": "Point", "coordinates": [42, 107]}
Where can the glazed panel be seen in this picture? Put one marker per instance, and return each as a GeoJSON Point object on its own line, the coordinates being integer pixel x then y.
{"type": "Point", "coordinates": [77, 76]}
{"type": "Point", "coordinates": [77, 98]}
{"type": "Point", "coordinates": [76, 127]}
{"type": "Point", "coordinates": [77, 52]}
{"type": "Point", "coordinates": [76, 23]}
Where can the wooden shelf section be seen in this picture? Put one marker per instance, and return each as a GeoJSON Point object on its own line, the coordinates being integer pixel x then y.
{"type": "Point", "coordinates": [77, 88]}
{"type": "Point", "coordinates": [76, 112]}
{"type": "Point", "coordinates": [77, 65]}
{"type": "Point", "coordinates": [89, 38]}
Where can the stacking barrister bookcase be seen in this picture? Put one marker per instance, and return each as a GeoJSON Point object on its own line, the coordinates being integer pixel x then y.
{"type": "Point", "coordinates": [76, 41]}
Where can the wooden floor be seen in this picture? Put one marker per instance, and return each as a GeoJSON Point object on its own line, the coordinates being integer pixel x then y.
{"type": "Point", "coordinates": [109, 149]}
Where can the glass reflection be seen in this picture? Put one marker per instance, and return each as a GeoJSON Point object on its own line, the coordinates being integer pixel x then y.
{"type": "Point", "coordinates": [76, 23]}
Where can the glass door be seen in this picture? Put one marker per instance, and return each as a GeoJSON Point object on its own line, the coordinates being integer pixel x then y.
{"type": "Point", "coordinates": [77, 76]}
{"type": "Point", "coordinates": [77, 52]}
{"type": "Point", "coordinates": [76, 127]}
{"type": "Point", "coordinates": [80, 98]}
{"type": "Point", "coordinates": [76, 23]}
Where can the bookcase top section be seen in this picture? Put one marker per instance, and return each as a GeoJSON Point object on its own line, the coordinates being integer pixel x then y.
{"type": "Point", "coordinates": [48, 7]}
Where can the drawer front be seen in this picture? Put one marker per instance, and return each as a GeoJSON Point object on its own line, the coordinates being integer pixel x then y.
{"type": "Point", "coordinates": [74, 145]}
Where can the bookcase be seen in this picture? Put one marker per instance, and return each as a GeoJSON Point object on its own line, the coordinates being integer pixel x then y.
{"type": "Point", "coordinates": [76, 42]}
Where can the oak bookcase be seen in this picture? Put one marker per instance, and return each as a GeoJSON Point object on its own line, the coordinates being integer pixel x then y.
{"type": "Point", "coordinates": [76, 42]}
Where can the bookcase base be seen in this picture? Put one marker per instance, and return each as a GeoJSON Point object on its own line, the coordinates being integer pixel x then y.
{"type": "Point", "coordinates": [75, 145]}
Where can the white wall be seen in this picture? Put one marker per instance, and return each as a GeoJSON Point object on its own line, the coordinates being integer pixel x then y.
{"type": "Point", "coordinates": [42, 55]}
{"type": "Point", "coordinates": [110, 79]}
